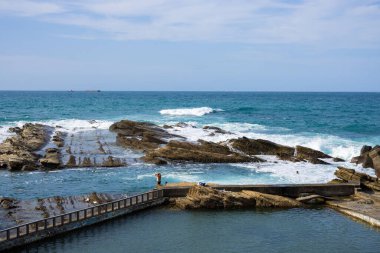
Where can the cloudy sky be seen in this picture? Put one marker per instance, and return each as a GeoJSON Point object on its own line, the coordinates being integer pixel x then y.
{"type": "Point", "coordinates": [239, 45]}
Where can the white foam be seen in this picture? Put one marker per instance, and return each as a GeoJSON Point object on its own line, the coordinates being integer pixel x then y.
{"type": "Point", "coordinates": [286, 172]}
{"type": "Point", "coordinates": [198, 111]}
{"type": "Point", "coordinates": [333, 145]}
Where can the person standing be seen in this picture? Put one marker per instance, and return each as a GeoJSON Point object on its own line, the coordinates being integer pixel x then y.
{"type": "Point", "coordinates": [158, 178]}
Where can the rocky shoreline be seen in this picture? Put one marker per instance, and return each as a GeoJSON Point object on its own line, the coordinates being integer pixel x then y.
{"type": "Point", "coordinates": [36, 146]}
{"type": "Point", "coordinates": [41, 147]}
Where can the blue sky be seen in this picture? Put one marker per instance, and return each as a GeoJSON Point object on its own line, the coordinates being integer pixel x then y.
{"type": "Point", "coordinates": [221, 45]}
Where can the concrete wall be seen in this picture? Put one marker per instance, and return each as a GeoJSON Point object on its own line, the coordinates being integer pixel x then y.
{"type": "Point", "coordinates": [327, 190]}
{"type": "Point", "coordinates": [50, 232]}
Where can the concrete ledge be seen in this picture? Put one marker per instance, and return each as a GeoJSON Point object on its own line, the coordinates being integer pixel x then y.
{"type": "Point", "coordinates": [293, 191]}
{"type": "Point", "coordinates": [50, 232]}
{"type": "Point", "coordinates": [359, 216]}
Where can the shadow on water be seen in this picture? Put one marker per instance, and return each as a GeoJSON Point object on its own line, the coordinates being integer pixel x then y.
{"type": "Point", "coordinates": [261, 230]}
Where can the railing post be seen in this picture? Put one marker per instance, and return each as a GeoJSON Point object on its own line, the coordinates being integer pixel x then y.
{"type": "Point", "coordinates": [17, 232]}
{"type": "Point", "coordinates": [62, 220]}
{"type": "Point", "coordinates": [45, 224]}
{"type": "Point", "coordinates": [92, 211]}
{"type": "Point", "coordinates": [54, 222]}
{"type": "Point", "coordinates": [27, 229]}
{"type": "Point", "coordinates": [8, 234]}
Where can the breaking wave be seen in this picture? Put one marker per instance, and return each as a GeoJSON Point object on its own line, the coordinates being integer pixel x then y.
{"type": "Point", "coordinates": [198, 111]}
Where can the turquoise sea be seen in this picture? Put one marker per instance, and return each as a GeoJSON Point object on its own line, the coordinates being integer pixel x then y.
{"type": "Point", "coordinates": [335, 123]}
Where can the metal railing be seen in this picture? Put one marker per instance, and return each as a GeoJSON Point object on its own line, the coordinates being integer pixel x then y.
{"type": "Point", "coordinates": [78, 215]}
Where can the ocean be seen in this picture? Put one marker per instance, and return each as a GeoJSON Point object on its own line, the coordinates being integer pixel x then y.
{"type": "Point", "coordinates": [335, 123]}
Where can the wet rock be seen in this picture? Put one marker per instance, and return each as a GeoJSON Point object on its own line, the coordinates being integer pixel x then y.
{"type": "Point", "coordinates": [260, 147]}
{"type": "Point", "coordinates": [365, 180]}
{"type": "Point", "coordinates": [71, 163]}
{"type": "Point", "coordinates": [216, 130]}
{"type": "Point", "coordinates": [18, 150]}
{"type": "Point", "coordinates": [287, 157]}
{"type": "Point", "coordinates": [8, 203]}
{"type": "Point", "coordinates": [200, 197]}
{"type": "Point", "coordinates": [202, 152]}
{"type": "Point", "coordinates": [141, 136]}
{"type": "Point", "coordinates": [86, 162]}
{"type": "Point", "coordinates": [369, 158]}
{"type": "Point", "coordinates": [337, 159]}
{"type": "Point", "coordinates": [316, 161]}
{"type": "Point", "coordinates": [374, 154]}
{"type": "Point", "coordinates": [51, 160]}
{"type": "Point", "coordinates": [58, 139]}
{"type": "Point", "coordinates": [309, 153]}
{"type": "Point", "coordinates": [113, 162]}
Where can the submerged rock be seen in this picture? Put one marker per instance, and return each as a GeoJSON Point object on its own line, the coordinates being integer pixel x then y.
{"type": "Point", "coordinates": [204, 152]}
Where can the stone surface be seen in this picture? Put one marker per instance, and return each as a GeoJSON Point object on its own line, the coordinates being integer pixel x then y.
{"type": "Point", "coordinates": [365, 180]}
{"type": "Point", "coordinates": [260, 147]}
{"type": "Point", "coordinates": [200, 197]}
{"type": "Point", "coordinates": [141, 136]}
{"type": "Point", "coordinates": [369, 158]}
{"type": "Point", "coordinates": [309, 153]}
{"type": "Point", "coordinates": [51, 160]}
{"type": "Point", "coordinates": [18, 151]}
{"type": "Point", "coordinates": [202, 152]}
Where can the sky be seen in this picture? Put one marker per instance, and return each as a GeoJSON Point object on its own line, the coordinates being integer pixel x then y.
{"type": "Point", "coordinates": [190, 45]}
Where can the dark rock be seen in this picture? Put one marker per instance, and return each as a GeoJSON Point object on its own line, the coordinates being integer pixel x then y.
{"type": "Point", "coordinates": [140, 135]}
{"type": "Point", "coordinates": [260, 147]}
{"type": "Point", "coordinates": [374, 154]}
{"type": "Point", "coordinates": [316, 161]}
{"type": "Point", "coordinates": [337, 159]}
{"type": "Point", "coordinates": [204, 152]}
{"type": "Point", "coordinates": [216, 130]}
{"type": "Point", "coordinates": [113, 162]}
{"type": "Point", "coordinates": [71, 162]}
{"type": "Point", "coordinates": [8, 203]}
{"type": "Point", "coordinates": [287, 157]}
{"type": "Point", "coordinates": [369, 158]}
{"type": "Point", "coordinates": [309, 153]}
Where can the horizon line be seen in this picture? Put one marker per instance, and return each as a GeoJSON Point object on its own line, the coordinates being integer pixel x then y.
{"type": "Point", "coordinates": [216, 91]}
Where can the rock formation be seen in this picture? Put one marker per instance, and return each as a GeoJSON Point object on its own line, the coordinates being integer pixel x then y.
{"type": "Point", "coordinates": [140, 135]}
{"type": "Point", "coordinates": [51, 160]}
{"type": "Point", "coordinates": [369, 158]}
{"type": "Point", "coordinates": [18, 152]}
{"type": "Point", "coordinates": [202, 152]}
{"type": "Point", "coordinates": [366, 181]}
{"type": "Point", "coordinates": [209, 198]}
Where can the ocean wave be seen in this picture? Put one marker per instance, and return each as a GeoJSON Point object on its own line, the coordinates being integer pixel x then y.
{"type": "Point", "coordinates": [333, 145]}
{"type": "Point", "coordinates": [198, 111]}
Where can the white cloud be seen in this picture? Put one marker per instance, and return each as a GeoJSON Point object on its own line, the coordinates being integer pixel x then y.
{"type": "Point", "coordinates": [29, 8]}
{"type": "Point", "coordinates": [330, 23]}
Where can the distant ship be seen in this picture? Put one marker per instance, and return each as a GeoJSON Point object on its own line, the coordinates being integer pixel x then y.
{"type": "Point", "coordinates": [87, 91]}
